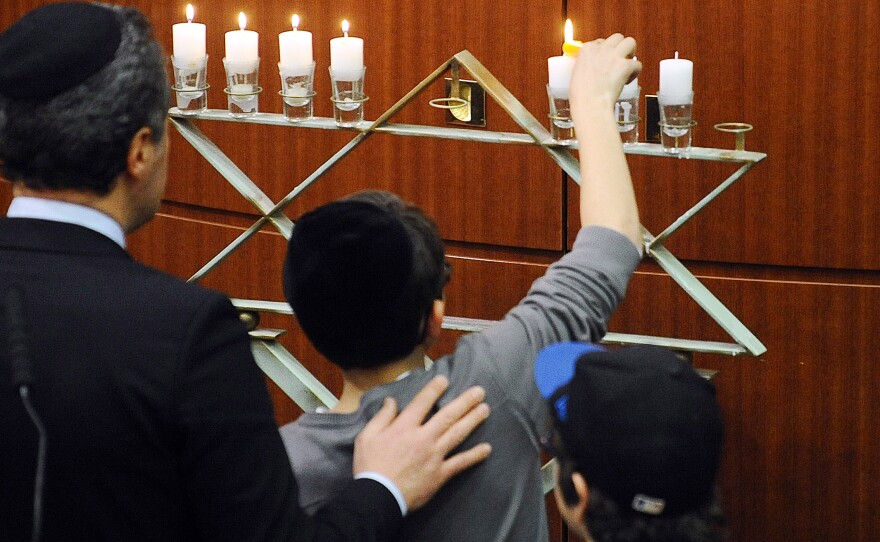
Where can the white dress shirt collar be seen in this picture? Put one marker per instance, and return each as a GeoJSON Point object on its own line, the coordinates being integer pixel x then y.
{"type": "Point", "coordinates": [71, 213]}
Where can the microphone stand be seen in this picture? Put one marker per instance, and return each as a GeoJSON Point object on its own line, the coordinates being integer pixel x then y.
{"type": "Point", "coordinates": [23, 381]}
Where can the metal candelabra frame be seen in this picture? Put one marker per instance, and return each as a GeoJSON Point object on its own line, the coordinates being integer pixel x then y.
{"type": "Point", "coordinates": [306, 390]}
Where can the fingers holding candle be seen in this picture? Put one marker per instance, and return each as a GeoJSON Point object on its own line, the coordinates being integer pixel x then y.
{"type": "Point", "coordinates": [603, 67]}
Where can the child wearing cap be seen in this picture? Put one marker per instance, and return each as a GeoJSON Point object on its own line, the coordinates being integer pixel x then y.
{"type": "Point", "coordinates": [637, 433]}
{"type": "Point", "coordinates": [365, 278]}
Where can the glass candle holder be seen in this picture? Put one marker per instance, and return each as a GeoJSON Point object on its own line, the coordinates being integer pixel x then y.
{"type": "Point", "coordinates": [676, 122]}
{"type": "Point", "coordinates": [348, 96]}
{"type": "Point", "coordinates": [190, 84]}
{"type": "Point", "coordinates": [626, 111]}
{"type": "Point", "coordinates": [242, 89]}
{"type": "Point", "coordinates": [561, 123]}
{"type": "Point", "coordinates": [297, 91]}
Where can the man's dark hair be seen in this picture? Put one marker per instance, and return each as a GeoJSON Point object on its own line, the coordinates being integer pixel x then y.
{"type": "Point", "coordinates": [79, 138]}
{"type": "Point", "coordinates": [362, 274]}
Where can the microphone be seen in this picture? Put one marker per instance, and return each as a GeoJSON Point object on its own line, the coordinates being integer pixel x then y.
{"type": "Point", "coordinates": [16, 337]}
{"type": "Point", "coordinates": [15, 323]}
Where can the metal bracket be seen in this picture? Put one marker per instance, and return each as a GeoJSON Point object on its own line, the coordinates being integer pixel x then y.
{"type": "Point", "coordinates": [469, 108]}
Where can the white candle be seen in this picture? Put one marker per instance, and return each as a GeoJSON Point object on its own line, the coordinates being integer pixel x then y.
{"type": "Point", "coordinates": [242, 45]}
{"type": "Point", "coordinates": [559, 70]}
{"type": "Point", "coordinates": [296, 46]}
{"type": "Point", "coordinates": [346, 56]}
{"type": "Point", "coordinates": [189, 39]}
{"type": "Point", "coordinates": [676, 77]}
{"type": "Point", "coordinates": [631, 89]}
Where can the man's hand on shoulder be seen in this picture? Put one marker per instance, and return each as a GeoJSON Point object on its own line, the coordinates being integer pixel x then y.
{"type": "Point", "coordinates": [412, 452]}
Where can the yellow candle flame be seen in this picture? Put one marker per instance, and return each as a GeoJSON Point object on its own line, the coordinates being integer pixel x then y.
{"type": "Point", "coordinates": [345, 27]}
{"type": "Point", "coordinates": [294, 21]}
{"type": "Point", "coordinates": [571, 46]}
{"type": "Point", "coordinates": [242, 20]}
{"type": "Point", "coordinates": [190, 13]}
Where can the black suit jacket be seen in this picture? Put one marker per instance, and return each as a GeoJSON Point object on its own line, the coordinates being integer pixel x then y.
{"type": "Point", "coordinates": [159, 424]}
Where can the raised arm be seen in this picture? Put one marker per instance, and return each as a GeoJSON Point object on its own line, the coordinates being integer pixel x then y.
{"type": "Point", "coordinates": [607, 199]}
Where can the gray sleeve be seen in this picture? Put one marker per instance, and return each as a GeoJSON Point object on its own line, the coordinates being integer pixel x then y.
{"type": "Point", "coordinates": [573, 301]}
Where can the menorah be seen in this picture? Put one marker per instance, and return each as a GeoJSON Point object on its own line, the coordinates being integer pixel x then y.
{"type": "Point", "coordinates": [293, 378]}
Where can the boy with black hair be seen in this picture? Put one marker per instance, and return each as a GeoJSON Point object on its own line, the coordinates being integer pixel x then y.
{"type": "Point", "coordinates": [365, 275]}
{"type": "Point", "coordinates": [638, 434]}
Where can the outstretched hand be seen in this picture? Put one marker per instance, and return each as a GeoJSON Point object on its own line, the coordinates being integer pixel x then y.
{"type": "Point", "coordinates": [412, 452]}
{"type": "Point", "coordinates": [603, 66]}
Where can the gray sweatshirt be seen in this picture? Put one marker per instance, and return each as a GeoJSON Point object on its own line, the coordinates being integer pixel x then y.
{"type": "Point", "coordinates": [502, 498]}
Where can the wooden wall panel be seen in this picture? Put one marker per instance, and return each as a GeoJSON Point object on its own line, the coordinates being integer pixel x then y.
{"type": "Point", "coordinates": [182, 244]}
{"type": "Point", "coordinates": [5, 195]}
{"type": "Point", "coordinates": [279, 158]}
{"type": "Point", "coordinates": [805, 74]}
{"type": "Point", "coordinates": [801, 454]}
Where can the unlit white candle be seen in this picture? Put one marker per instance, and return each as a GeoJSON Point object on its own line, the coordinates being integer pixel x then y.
{"type": "Point", "coordinates": [676, 77]}
{"type": "Point", "coordinates": [346, 56]}
{"type": "Point", "coordinates": [631, 89]}
{"type": "Point", "coordinates": [559, 70]}
{"type": "Point", "coordinates": [242, 45]}
{"type": "Point", "coordinates": [188, 39]}
{"type": "Point", "coordinates": [295, 46]}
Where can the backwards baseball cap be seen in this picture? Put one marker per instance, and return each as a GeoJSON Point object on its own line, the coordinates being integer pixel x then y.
{"type": "Point", "coordinates": [55, 48]}
{"type": "Point", "coordinates": [638, 422]}
{"type": "Point", "coordinates": [348, 277]}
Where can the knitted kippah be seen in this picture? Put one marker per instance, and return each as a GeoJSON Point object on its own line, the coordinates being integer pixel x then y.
{"type": "Point", "coordinates": [348, 277]}
{"type": "Point", "coordinates": [55, 48]}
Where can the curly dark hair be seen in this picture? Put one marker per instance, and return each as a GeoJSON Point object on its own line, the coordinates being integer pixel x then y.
{"type": "Point", "coordinates": [608, 522]}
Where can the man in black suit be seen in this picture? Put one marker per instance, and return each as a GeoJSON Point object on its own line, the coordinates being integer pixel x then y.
{"type": "Point", "coordinates": [158, 420]}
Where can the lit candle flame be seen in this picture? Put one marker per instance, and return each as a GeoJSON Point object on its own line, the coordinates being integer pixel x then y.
{"type": "Point", "coordinates": [676, 55]}
{"type": "Point", "coordinates": [570, 47]}
{"type": "Point", "coordinates": [242, 20]}
{"type": "Point", "coordinates": [190, 13]}
{"type": "Point", "coordinates": [294, 21]}
{"type": "Point", "coordinates": [345, 27]}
